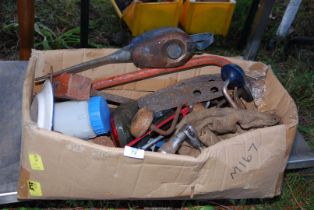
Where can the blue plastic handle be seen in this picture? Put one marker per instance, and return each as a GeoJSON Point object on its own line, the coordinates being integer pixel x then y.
{"type": "Point", "coordinates": [202, 41]}
{"type": "Point", "coordinates": [234, 74]}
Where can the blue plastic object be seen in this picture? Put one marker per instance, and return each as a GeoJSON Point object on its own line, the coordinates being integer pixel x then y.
{"type": "Point", "coordinates": [99, 115]}
{"type": "Point", "coordinates": [234, 74]}
{"type": "Point", "coordinates": [160, 143]}
{"type": "Point", "coordinates": [202, 41]}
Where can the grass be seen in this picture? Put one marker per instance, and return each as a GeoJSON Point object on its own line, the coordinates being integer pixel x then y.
{"type": "Point", "coordinates": [56, 27]}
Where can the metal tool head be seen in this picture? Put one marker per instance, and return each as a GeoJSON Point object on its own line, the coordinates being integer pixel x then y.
{"type": "Point", "coordinates": [167, 47]}
{"type": "Point", "coordinates": [72, 86]}
{"type": "Point", "coordinates": [187, 92]}
{"type": "Point", "coordinates": [164, 47]}
{"type": "Point", "coordinates": [186, 133]}
{"type": "Point", "coordinates": [192, 137]}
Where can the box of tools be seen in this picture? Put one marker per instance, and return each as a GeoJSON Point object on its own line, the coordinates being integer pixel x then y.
{"type": "Point", "coordinates": [249, 164]}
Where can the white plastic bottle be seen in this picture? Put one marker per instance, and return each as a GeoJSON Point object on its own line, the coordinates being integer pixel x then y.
{"type": "Point", "coordinates": [82, 119]}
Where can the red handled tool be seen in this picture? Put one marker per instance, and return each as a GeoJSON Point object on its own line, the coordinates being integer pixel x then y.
{"type": "Point", "coordinates": [78, 82]}
{"type": "Point", "coordinates": [147, 73]}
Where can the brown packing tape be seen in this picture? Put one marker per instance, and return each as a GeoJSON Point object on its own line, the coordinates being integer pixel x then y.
{"type": "Point", "coordinates": [81, 170]}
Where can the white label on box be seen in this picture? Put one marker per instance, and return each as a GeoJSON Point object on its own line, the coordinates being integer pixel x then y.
{"type": "Point", "coordinates": [133, 152]}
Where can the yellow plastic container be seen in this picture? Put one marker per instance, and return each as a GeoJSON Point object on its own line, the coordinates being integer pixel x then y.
{"type": "Point", "coordinates": [209, 16]}
{"type": "Point", "coordinates": [141, 17]}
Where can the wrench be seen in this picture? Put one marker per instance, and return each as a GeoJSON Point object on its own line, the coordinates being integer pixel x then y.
{"type": "Point", "coordinates": [188, 133]}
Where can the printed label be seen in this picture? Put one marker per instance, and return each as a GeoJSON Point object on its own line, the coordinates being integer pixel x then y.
{"type": "Point", "coordinates": [36, 162]}
{"type": "Point", "coordinates": [34, 188]}
{"type": "Point", "coordinates": [133, 152]}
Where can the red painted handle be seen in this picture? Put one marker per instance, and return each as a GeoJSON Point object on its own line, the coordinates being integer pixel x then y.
{"type": "Point", "coordinates": [146, 73]}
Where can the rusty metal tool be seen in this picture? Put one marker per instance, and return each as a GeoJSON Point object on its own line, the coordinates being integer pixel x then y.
{"type": "Point", "coordinates": [187, 92]}
{"type": "Point", "coordinates": [77, 87]}
{"type": "Point", "coordinates": [195, 62]}
{"type": "Point", "coordinates": [188, 133]}
{"type": "Point", "coordinates": [184, 111]}
{"type": "Point", "coordinates": [234, 76]}
{"type": "Point", "coordinates": [121, 119]}
{"type": "Point", "coordinates": [71, 86]}
{"type": "Point", "coordinates": [172, 126]}
{"type": "Point", "coordinates": [164, 47]}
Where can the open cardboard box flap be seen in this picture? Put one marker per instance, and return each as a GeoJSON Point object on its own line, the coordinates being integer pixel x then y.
{"type": "Point", "coordinates": [56, 166]}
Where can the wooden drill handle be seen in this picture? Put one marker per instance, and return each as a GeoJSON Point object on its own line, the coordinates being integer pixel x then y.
{"type": "Point", "coordinates": [26, 27]}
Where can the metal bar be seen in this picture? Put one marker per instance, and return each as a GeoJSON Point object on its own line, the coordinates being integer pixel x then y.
{"type": "Point", "coordinates": [26, 27]}
{"type": "Point", "coordinates": [149, 144]}
{"type": "Point", "coordinates": [248, 24]}
{"type": "Point", "coordinates": [227, 96]}
{"type": "Point", "coordinates": [7, 194]}
{"type": "Point", "coordinates": [288, 18]}
{"type": "Point", "coordinates": [122, 55]}
{"type": "Point", "coordinates": [113, 98]}
{"type": "Point", "coordinates": [258, 28]}
{"type": "Point", "coordinates": [297, 40]}
{"type": "Point", "coordinates": [301, 156]}
{"type": "Point", "coordinates": [84, 23]}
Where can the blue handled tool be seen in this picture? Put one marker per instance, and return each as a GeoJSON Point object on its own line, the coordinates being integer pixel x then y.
{"type": "Point", "coordinates": [234, 76]}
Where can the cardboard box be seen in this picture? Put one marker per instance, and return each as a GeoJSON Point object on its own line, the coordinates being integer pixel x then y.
{"type": "Point", "coordinates": [250, 165]}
